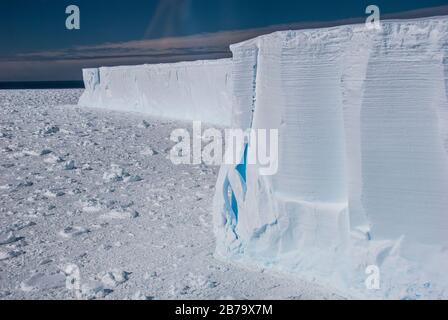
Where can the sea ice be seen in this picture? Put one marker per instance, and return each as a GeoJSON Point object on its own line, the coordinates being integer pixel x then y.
{"type": "Point", "coordinates": [41, 281]}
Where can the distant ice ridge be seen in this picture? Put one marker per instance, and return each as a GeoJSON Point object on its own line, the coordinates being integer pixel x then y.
{"type": "Point", "coordinates": [363, 158]}
{"type": "Point", "coordinates": [198, 90]}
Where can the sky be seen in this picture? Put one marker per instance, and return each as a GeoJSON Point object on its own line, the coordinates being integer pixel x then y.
{"type": "Point", "coordinates": [36, 46]}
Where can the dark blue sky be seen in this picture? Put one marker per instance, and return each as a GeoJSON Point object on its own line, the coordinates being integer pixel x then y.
{"type": "Point", "coordinates": [33, 31]}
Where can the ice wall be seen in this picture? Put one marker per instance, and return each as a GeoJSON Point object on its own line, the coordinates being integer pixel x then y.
{"type": "Point", "coordinates": [363, 157]}
{"type": "Point", "coordinates": [244, 73]}
{"type": "Point", "coordinates": [405, 164]}
{"type": "Point", "coordinates": [199, 90]}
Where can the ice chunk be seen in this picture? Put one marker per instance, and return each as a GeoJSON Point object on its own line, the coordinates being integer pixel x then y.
{"type": "Point", "coordinates": [69, 165]}
{"type": "Point", "coordinates": [93, 290]}
{"type": "Point", "coordinates": [115, 174]}
{"type": "Point", "coordinates": [71, 232]}
{"type": "Point", "coordinates": [113, 278]}
{"type": "Point", "coordinates": [41, 281]}
{"type": "Point", "coordinates": [119, 215]}
{"type": "Point", "coordinates": [91, 78]}
{"type": "Point", "coordinates": [5, 255]}
{"type": "Point", "coordinates": [8, 237]}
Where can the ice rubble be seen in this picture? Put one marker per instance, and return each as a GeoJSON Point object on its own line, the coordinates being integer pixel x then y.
{"type": "Point", "coordinates": [198, 90]}
{"type": "Point", "coordinates": [363, 157]}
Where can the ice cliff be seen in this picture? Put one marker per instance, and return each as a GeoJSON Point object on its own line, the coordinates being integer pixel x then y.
{"type": "Point", "coordinates": [198, 90]}
{"type": "Point", "coordinates": [362, 181]}
{"type": "Point", "coordinates": [363, 158]}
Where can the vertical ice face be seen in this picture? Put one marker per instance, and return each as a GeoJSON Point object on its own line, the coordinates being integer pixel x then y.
{"type": "Point", "coordinates": [363, 156]}
{"type": "Point", "coordinates": [302, 210]}
{"type": "Point", "coordinates": [353, 74]}
{"type": "Point", "coordinates": [244, 73]}
{"type": "Point", "coordinates": [255, 91]}
{"type": "Point", "coordinates": [404, 162]}
{"type": "Point", "coordinates": [444, 108]}
{"type": "Point", "coordinates": [198, 90]}
{"type": "Point", "coordinates": [91, 78]}
{"type": "Point", "coordinates": [91, 82]}
{"type": "Point", "coordinates": [312, 148]}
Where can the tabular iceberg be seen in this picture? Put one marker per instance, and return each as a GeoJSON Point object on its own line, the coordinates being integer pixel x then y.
{"type": "Point", "coordinates": [362, 177]}
{"type": "Point", "coordinates": [363, 158]}
{"type": "Point", "coordinates": [198, 90]}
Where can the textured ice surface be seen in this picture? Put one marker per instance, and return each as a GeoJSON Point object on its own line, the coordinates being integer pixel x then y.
{"type": "Point", "coordinates": [363, 157]}
{"type": "Point", "coordinates": [164, 252]}
{"type": "Point", "coordinates": [198, 90]}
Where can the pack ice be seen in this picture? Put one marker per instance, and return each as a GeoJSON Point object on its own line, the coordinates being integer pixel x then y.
{"type": "Point", "coordinates": [360, 200]}
{"type": "Point", "coordinates": [198, 90]}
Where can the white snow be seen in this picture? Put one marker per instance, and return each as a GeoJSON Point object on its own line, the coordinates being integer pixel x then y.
{"type": "Point", "coordinates": [363, 158]}
{"type": "Point", "coordinates": [198, 90]}
{"type": "Point", "coordinates": [166, 251]}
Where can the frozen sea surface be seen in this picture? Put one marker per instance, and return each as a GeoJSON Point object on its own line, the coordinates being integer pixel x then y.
{"type": "Point", "coordinates": [91, 207]}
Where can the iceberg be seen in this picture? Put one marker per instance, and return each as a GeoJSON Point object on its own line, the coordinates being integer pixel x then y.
{"type": "Point", "coordinates": [363, 158]}
{"type": "Point", "coordinates": [360, 199]}
{"type": "Point", "coordinates": [197, 90]}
